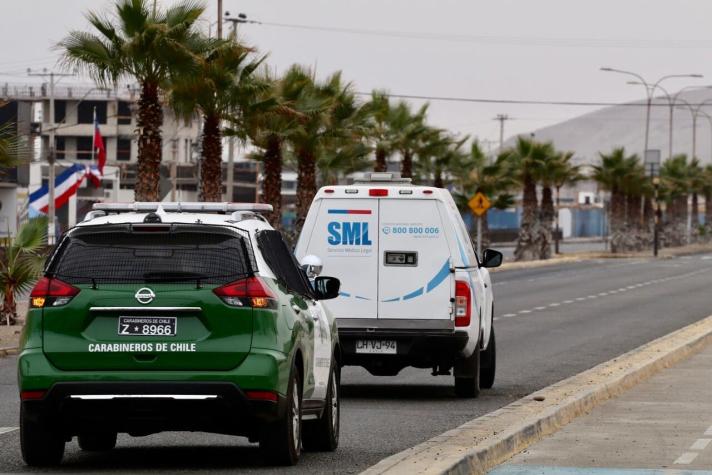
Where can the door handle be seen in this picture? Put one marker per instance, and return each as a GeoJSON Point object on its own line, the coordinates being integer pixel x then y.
{"type": "Point", "coordinates": [296, 308]}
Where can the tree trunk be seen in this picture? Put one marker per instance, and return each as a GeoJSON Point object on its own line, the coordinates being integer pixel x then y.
{"type": "Point", "coordinates": [149, 122]}
{"type": "Point", "coordinates": [380, 165]}
{"type": "Point", "coordinates": [617, 220]}
{"type": "Point", "coordinates": [708, 210]}
{"type": "Point", "coordinates": [695, 210]}
{"type": "Point", "coordinates": [9, 306]}
{"type": "Point", "coordinates": [547, 213]}
{"type": "Point", "coordinates": [272, 184]}
{"type": "Point", "coordinates": [211, 166]}
{"type": "Point", "coordinates": [438, 181]}
{"type": "Point", "coordinates": [526, 249]}
{"type": "Point", "coordinates": [407, 164]}
{"type": "Point", "coordinates": [306, 185]}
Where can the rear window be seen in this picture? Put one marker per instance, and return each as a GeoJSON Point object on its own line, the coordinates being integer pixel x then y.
{"type": "Point", "coordinates": [122, 254]}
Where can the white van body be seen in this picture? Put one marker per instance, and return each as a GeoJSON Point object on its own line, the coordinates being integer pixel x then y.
{"type": "Point", "coordinates": [398, 251]}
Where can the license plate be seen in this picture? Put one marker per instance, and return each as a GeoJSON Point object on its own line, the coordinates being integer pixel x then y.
{"type": "Point", "coordinates": [147, 326]}
{"type": "Point", "coordinates": [382, 347]}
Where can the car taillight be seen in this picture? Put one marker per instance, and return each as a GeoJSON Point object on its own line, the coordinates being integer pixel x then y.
{"type": "Point", "coordinates": [51, 292]}
{"type": "Point", "coordinates": [32, 395]}
{"type": "Point", "coordinates": [270, 396]}
{"type": "Point", "coordinates": [463, 299]}
{"type": "Point", "coordinates": [248, 292]}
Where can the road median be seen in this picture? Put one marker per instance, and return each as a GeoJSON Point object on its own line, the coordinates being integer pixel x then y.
{"type": "Point", "coordinates": [483, 443]}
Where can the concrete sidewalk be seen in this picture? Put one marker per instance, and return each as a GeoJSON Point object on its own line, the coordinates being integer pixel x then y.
{"type": "Point", "coordinates": [662, 426]}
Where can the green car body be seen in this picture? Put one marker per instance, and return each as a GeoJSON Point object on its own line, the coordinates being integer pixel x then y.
{"type": "Point", "coordinates": [230, 366]}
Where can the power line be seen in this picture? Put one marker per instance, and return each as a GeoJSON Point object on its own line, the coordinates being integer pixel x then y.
{"type": "Point", "coordinates": [506, 40]}
{"type": "Point", "coordinates": [519, 102]}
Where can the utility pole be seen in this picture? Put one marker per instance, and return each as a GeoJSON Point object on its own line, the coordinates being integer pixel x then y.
{"type": "Point", "coordinates": [50, 151]}
{"type": "Point", "coordinates": [220, 18]}
{"type": "Point", "coordinates": [501, 118]}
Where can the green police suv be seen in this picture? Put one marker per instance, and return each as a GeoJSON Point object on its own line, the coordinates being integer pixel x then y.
{"type": "Point", "coordinates": [158, 317]}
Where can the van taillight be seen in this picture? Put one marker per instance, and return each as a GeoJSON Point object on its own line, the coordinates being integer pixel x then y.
{"type": "Point", "coordinates": [247, 292]}
{"type": "Point", "coordinates": [51, 292]}
{"type": "Point", "coordinates": [463, 307]}
{"type": "Point", "coordinates": [378, 192]}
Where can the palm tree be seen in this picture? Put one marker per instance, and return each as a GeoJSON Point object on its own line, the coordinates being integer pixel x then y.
{"type": "Point", "coordinates": [407, 132]}
{"type": "Point", "coordinates": [565, 174]}
{"type": "Point", "coordinates": [675, 181]}
{"type": "Point", "coordinates": [21, 265]}
{"type": "Point", "coordinates": [707, 192]}
{"type": "Point", "coordinates": [146, 44]}
{"type": "Point", "coordinates": [524, 160]}
{"type": "Point", "coordinates": [379, 109]}
{"type": "Point", "coordinates": [697, 184]}
{"type": "Point", "coordinates": [612, 174]}
{"type": "Point", "coordinates": [226, 77]}
{"type": "Point", "coordinates": [475, 174]}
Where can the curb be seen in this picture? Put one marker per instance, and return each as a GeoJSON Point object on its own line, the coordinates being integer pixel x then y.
{"type": "Point", "coordinates": [483, 443]}
{"type": "Point", "coordinates": [7, 351]}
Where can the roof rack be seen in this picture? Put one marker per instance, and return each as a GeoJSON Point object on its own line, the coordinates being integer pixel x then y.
{"type": "Point", "coordinates": [182, 206]}
{"type": "Point", "coordinates": [382, 177]}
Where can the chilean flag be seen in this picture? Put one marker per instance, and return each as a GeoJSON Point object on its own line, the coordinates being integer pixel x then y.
{"type": "Point", "coordinates": [96, 172]}
{"type": "Point", "coordinates": [65, 185]}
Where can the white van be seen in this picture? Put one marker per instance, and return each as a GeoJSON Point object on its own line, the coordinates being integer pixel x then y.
{"type": "Point", "coordinates": [413, 292]}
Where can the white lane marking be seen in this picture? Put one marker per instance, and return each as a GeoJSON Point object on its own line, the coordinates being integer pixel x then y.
{"type": "Point", "coordinates": [555, 304]}
{"type": "Point", "coordinates": [622, 289]}
{"type": "Point", "coordinates": [603, 294]}
{"type": "Point", "coordinates": [592, 296]}
{"type": "Point", "coordinates": [568, 301]}
{"type": "Point", "coordinates": [700, 444]}
{"type": "Point", "coordinates": [508, 315]}
{"type": "Point", "coordinates": [525, 311]}
{"type": "Point", "coordinates": [539, 308]}
{"type": "Point", "coordinates": [686, 458]}
{"type": "Point", "coordinates": [579, 299]}
{"type": "Point", "coordinates": [5, 430]}
{"type": "Point", "coordinates": [709, 431]}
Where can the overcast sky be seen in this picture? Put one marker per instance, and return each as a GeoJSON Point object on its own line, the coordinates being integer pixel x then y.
{"type": "Point", "coordinates": [503, 49]}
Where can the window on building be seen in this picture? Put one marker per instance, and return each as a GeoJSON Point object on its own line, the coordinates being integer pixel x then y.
{"type": "Point", "coordinates": [124, 113]}
{"type": "Point", "coordinates": [84, 145]}
{"type": "Point", "coordinates": [60, 147]}
{"type": "Point", "coordinates": [85, 112]}
{"type": "Point", "coordinates": [123, 149]}
{"type": "Point", "coordinates": [60, 111]}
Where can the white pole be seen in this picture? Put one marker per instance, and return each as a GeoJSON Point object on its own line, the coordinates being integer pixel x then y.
{"type": "Point", "coordinates": [51, 159]}
{"type": "Point", "coordinates": [230, 168]}
{"type": "Point", "coordinates": [479, 236]}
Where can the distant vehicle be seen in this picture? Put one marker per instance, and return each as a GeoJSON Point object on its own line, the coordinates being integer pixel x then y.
{"type": "Point", "coordinates": [413, 290]}
{"type": "Point", "coordinates": [178, 316]}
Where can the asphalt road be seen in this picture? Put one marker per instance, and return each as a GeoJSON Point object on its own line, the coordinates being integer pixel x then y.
{"type": "Point", "coordinates": [552, 322]}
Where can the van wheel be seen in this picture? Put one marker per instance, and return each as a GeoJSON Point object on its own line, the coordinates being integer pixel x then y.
{"type": "Point", "coordinates": [281, 441]}
{"type": "Point", "coordinates": [467, 375]}
{"type": "Point", "coordinates": [488, 364]}
{"type": "Point", "coordinates": [97, 441]}
{"type": "Point", "coordinates": [323, 434]}
{"type": "Point", "coordinates": [41, 444]}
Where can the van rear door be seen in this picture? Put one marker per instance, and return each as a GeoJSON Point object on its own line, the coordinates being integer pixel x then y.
{"type": "Point", "coordinates": [344, 237]}
{"type": "Point", "coordinates": [414, 279]}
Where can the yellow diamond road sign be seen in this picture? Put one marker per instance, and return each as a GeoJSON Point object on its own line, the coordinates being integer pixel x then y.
{"type": "Point", "coordinates": [479, 204]}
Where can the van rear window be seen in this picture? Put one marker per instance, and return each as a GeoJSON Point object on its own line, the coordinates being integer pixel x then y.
{"type": "Point", "coordinates": [121, 255]}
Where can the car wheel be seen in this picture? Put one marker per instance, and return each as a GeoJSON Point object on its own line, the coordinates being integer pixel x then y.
{"type": "Point", "coordinates": [323, 433]}
{"type": "Point", "coordinates": [281, 442]}
{"type": "Point", "coordinates": [41, 444]}
{"type": "Point", "coordinates": [467, 375]}
{"type": "Point", "coordinates": [489, 363]}
{"type": "Point", "coordinates": [97, 441]}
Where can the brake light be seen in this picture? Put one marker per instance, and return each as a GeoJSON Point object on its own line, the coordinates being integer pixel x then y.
{"type": "Point", "coordinates": [378, 192]}
{"type": "Point", "coordinates": [328, 190]}
{"type": "Point", "coordinates": [51, 292]}
{"type": "Point", "coordinates": [248, 292]}
{"type": "Point", "coordinates": [32, 395]}
{"type": "Point", "coordinates": [262, 396]}
{"type": "Point", "coordinates": [463, 307]}
{"type": "Point", "coordinates": [427, 192]}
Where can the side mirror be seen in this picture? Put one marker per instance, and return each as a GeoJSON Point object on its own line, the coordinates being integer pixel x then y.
{"type": "Point", "coordinates": [312, 265]}
{"type": "Point", "coordinates": [491, 258]}
{"type": "Point", "coordinates": [326, 287]}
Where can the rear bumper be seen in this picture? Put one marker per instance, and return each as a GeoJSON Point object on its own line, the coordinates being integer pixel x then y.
{"type": "Point", "coordinates": [141, 408]}
{"type": "Point", "coordinates": [420, 344]}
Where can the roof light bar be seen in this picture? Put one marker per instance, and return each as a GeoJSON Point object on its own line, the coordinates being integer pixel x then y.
{"type": "Point", "coordinates": [180, 206]}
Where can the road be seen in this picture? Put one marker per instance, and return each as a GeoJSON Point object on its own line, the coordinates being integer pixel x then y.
{"type": "Point", "coordinates": [552, 323]}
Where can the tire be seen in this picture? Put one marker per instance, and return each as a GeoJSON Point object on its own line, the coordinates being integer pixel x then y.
{"type": "Point", "coordinates": [467, 376]}
{"type": "Point", "coordinates": [41, 444]}
{"type": "Point", "coordinates": [488, 365]}
{"type": "Point", "coordinates": [322, 435]}
{"type": "Point", "coordinates": [281, 442]}
{"type": "Point", "coordinates": [97, 441]}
